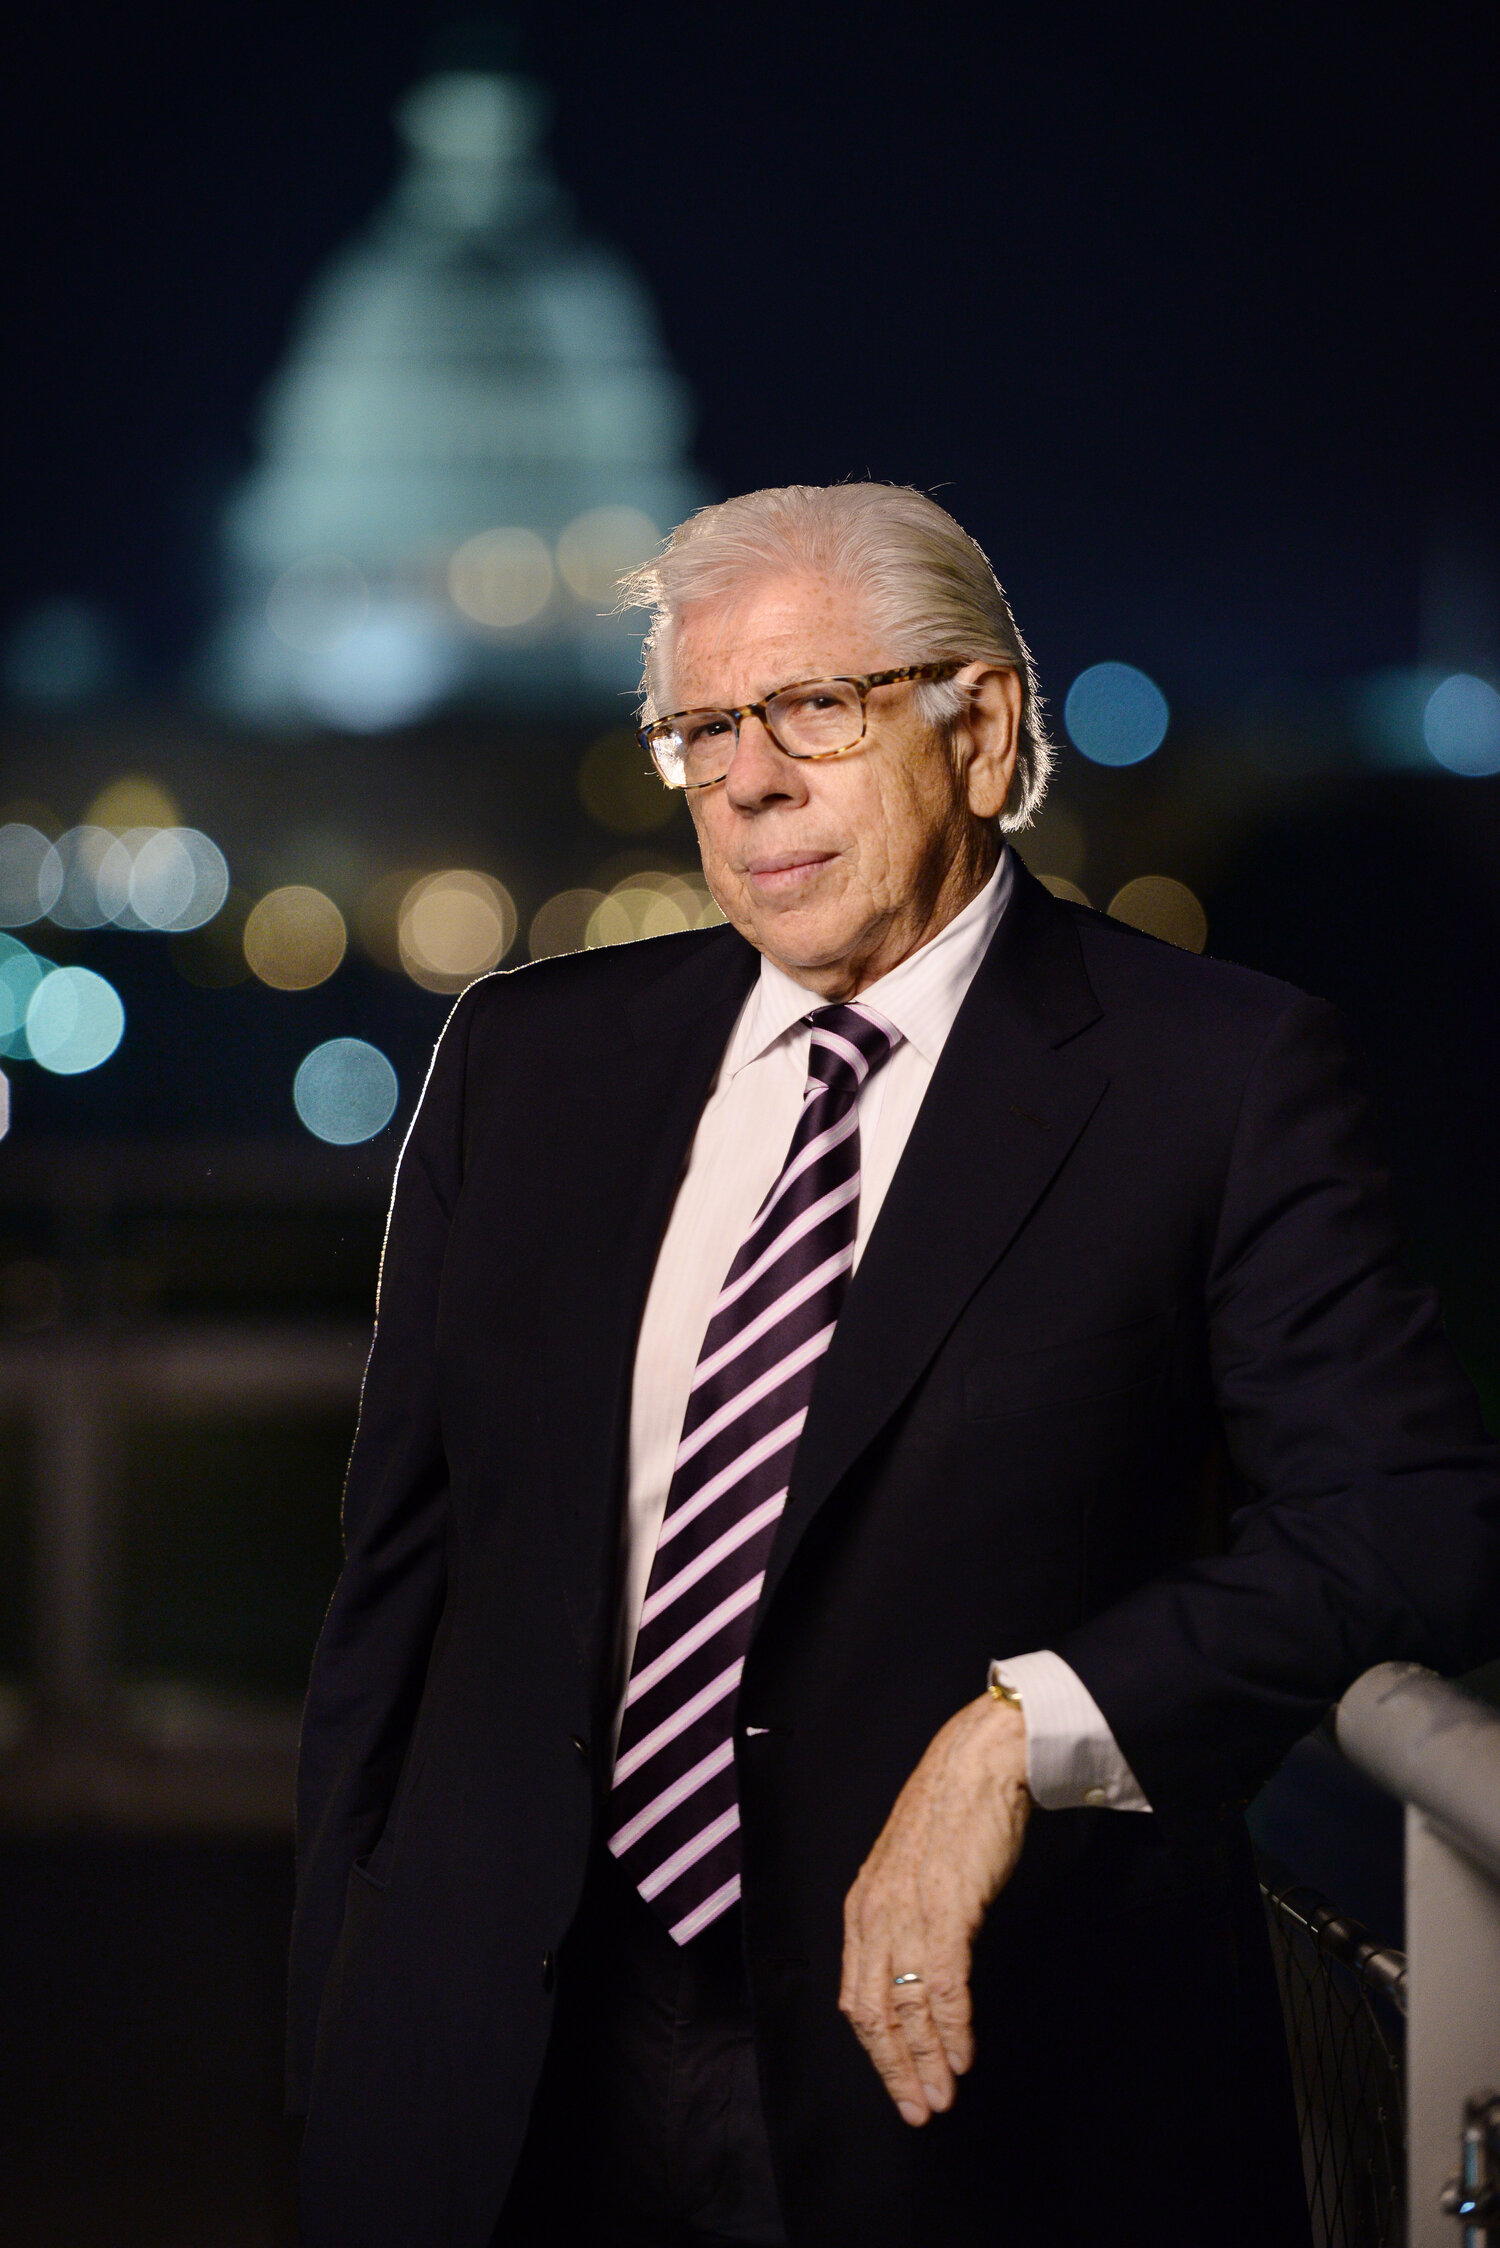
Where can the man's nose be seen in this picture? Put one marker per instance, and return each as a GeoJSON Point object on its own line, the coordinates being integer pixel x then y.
{"type": "Point", "coordinates": [760, 773]}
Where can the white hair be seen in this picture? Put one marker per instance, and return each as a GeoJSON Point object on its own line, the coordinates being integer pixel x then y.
{"type": "Point", "coordinates": [928, 590]}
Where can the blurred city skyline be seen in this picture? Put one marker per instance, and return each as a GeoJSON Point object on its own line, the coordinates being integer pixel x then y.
{"type": "Point", "coordinates": [1190, 320]}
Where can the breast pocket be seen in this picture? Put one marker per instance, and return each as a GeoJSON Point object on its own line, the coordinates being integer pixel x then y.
{"type": "Point", "coordinates": [1073, 1372]}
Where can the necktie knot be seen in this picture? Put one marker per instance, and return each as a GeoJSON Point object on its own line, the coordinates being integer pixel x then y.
{"type": "Point", "coordinates": [849, 1042]}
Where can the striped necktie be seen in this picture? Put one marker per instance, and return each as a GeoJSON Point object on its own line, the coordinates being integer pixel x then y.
{"type": "Point", "coordinates": [675, 1810]}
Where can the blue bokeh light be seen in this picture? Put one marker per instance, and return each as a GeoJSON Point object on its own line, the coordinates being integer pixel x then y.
{"type": "Point", "coordinates": [345, 1091]}
{"type": "Point", "coordinates": [1115, 714]}
{"type": "Point", "coordinates": [1461, 726]}
{"type": "Point", "coordinates": [21, 970]}
{"type": "Point", "coordinates": [74, 1021]}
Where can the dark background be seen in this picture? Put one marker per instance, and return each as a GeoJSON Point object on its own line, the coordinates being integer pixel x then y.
{"type": "Point", "coordinates": [1189, 315]}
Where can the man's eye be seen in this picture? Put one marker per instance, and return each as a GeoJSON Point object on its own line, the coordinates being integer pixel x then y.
{"type": "Point", "coordinates": [711, 727]}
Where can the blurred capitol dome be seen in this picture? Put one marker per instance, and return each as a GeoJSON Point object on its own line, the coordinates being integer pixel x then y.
{"type": "Point", "coordinates": [474, 432]}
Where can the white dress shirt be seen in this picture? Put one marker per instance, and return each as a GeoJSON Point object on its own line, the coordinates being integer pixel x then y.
{"type": "Point", "coordinates": [737, 1151]}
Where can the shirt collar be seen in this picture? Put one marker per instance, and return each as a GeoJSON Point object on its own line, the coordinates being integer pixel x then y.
{"type": "Point", "coordinates": [921, 996]}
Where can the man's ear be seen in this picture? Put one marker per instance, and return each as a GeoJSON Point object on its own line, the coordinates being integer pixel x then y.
{"type": "Point", "coordinates": [987, 735]}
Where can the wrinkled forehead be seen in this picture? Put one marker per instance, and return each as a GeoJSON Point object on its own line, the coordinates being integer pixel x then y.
{"type": "Point", "coordinates": [764, 635]}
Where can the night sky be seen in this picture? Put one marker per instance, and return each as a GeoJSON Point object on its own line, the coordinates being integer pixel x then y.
{"type": "Point", "coordinates": [1187, 314]}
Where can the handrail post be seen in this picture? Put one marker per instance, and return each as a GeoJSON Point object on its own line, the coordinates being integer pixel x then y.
{"type": "Point", "coordinates": [1438, 1750]}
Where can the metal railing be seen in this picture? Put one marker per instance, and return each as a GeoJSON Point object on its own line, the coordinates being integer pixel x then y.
{"type": "Point", "coordinates": [1343, 1999]}
{"type": "Point", "coordinates": [76, 1393]}
{"type": "Point", "coordinates": [84, 1746]}
{"type": "Point", "coordinates": [1437, 1749]}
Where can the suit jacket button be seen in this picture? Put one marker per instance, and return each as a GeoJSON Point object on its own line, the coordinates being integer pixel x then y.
{"type": "Point", "coordinates": [580, 1744]}
{"type": "Point", "coordinates": [549, 1970]}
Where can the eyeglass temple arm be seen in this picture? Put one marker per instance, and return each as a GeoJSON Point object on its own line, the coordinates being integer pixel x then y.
{"type": "Point", "coordinates": [911, 671]}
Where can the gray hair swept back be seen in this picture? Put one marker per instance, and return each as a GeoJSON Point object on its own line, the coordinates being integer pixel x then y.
{"type": "Point", "coordinates": [929, 590]}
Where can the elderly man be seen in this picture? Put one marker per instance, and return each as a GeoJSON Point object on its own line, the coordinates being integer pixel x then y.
{"type": "Point", "coordinates": [787, 1586]}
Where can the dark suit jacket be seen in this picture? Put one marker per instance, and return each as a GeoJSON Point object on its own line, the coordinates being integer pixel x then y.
{"type": "Point", "coordinates": [1136, 1231]}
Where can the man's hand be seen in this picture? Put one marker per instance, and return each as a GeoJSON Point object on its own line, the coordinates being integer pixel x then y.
{"type": "Point", "coordinates": [944, 1855]}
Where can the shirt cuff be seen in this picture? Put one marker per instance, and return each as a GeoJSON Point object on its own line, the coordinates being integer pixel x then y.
{"type": "Point", "coordinates": [1073, 1760]}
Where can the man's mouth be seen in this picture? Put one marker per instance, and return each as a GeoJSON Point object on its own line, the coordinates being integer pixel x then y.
{"type": "Point", "coordinates": [786, 870]}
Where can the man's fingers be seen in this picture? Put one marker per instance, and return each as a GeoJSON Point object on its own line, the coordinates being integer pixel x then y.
{"type": "Point", "coordinates": [923, 2041]}
{"type": "Point", "coordinates": [935, 2014]}
{"type": "Point", "coordinates": [866, 1999]}
{"type": "Point", "coordinates": [850, 1981]}
{"type": "Point", "coordinates": [952, 2010]}
{"type": "Point", "coordinates": [917, 2034]}
{"type": "Point", "coordinates": [881, 2036]}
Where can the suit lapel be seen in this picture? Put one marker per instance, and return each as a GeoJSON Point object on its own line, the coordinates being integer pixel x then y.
{"type": "Point", "coordinates": [1006, 1104]}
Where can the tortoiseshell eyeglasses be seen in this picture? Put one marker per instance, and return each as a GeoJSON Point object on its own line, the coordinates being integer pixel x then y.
{"type": "Point", "coordinates": [813, 718]}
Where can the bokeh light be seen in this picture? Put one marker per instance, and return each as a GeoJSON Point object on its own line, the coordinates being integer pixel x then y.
{"type": "Point", "coordinates": [502, 579]}
{"type": "Point", "coordinates": [643, 902]}
{"type": "Point", "coordinates": [345, 1091]}
{"type": "Point", "coordinates": [1163, 908]}
{"type": "Point", "coordinates": [210, 870]}
{"type": "Point", "coordinates": [597, 548]}
{"type": "Point", "coordinates": [619, 786]}
{"type": "Point", "coordinates": [317, 604]}
{"type": "Point", "coordinates": [21, 971]}
{"type": "Point", "coordinates": [294, 938]}
{"type": "Point", "coordinates": [31, 875]}
{"type": "Point", "coordinates": [160, 880]}
{"type": "Point", "coordinates": [74, 1022]}
{"type": "Point", "coordinates": [1115, 714]}
{"type": "Point", "coordinates": [116, 868]}
{"type": "Point", "coordinates": [635, 911]}
{"type": "Point", "coordinates": [1061, 887]}
{"type": "Point", "coordinates": [562, 924]}
{"type": "Point", "coordinates": [133, 800]}
{"type": "Point", "coordinates": [170, 878]}
{"type": "Point", "coordinates": [455, 926]}
{"type": "Point", "coordinates": [651, 904]}
{"type": "Point", "coordinates": [82, 851]}
{"type": "Point", "coordinates": [1461, 726]}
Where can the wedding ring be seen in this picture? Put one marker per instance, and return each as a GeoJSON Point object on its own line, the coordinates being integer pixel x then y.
{"type": "Point", "coordinates": [898, 1980]}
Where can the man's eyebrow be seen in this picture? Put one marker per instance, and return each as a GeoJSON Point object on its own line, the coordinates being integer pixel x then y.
{"type": "Point", "coordinates": [769, 686]}
{"type": "Point", "coordinates": [727, 702]}
{"type": "Point", "coordinates": [785, 679]}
